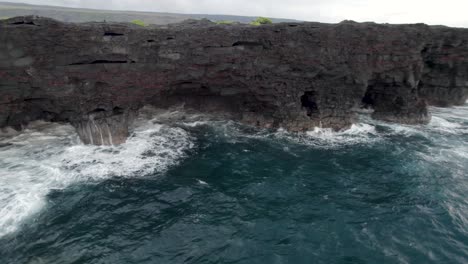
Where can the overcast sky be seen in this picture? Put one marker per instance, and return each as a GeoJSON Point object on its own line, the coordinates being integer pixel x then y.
{"type": "Point", "coordinates": [446, 12]}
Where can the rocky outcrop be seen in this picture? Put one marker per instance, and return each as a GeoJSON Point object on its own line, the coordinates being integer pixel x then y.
{"type": "Point", "coordinates": [445, 73]}
{"type": "Point", "coordinates": [292, 75]}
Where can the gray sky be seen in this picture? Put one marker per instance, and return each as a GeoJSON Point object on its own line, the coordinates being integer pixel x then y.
{"type": "Point", "coordinates": [447, 12]}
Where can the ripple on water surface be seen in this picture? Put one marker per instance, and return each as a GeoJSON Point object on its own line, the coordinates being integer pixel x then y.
{"type": "Point", "coordinates": [49, 156]}
{"type": "Point", "coordinates": [204, 191]}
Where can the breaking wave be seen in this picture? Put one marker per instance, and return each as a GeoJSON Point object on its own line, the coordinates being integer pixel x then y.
{"type": "Point", "coordinates": [445, 122]}
{"type": "Point", "coordinates": [50, 156]}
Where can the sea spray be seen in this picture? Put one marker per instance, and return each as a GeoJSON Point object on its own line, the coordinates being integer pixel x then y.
{"type": "Point", "coordinates": [50, 156]}
{"type": "Point", "coordinates": [241, 191]}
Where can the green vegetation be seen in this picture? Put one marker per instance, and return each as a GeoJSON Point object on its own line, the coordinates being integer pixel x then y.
{"type": "Point", "coordinates": [139, 23]}
{"type": "Point", "coordinates": [261, 21]}
{"type": "Point", "coordinates": [78, 15]}
{"type": "Point", "coordinates": [4, 18]}
{"type": "Point", "coordinates": [225, 22]}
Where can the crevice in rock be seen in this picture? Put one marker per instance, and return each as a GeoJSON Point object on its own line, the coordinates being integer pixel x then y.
{"type": "Point", "coordinates": [113, 34]}
{"type": "Point", "coordinates": [65, 116]}
{"type": "Point", "coordinates": [309, 102]}
{"type": "Point", "coordinates": [420, 86]}
{"type": "Point", "coordinates": [35, 99]}
{"type": "Point", "coordinates": [24, 23]}
{"type": "Point", "coordinates": [97, 111]}
{"type": "Point", "coordinates": [118, 110]}
{"type": "Point", "coordinates": [368, 101]}
{"type": "Point", "coordinates": [103, 62]}
{"type": "Point", "coordinates": [425, 50]}
{"type": "Point", "coordinates": [247, 43]}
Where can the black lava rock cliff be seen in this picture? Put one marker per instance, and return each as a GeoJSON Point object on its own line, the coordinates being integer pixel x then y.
{"type": "Point", "coordinates": [292, 75]}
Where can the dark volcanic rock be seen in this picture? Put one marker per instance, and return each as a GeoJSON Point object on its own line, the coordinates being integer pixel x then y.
{"type": "Point", "coordinates": [297, 76]}
{"type": "Point", "coordinates": [445, 74]}
{"type": "Point", "coordinates": [100, 127]}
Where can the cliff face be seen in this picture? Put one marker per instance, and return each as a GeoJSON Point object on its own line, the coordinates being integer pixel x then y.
{"type": "Point", "coordinates": [295, 76]}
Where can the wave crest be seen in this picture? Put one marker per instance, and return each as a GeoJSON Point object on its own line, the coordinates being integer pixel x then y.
{"type": "Point", "coordinates": [50, 156]}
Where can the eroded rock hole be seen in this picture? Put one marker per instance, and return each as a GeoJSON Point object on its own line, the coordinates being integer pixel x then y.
{"type": "Point", "coordinates": [102, 62]}
{"type": "Point", "coordinates": [247, 43]}
{"type": "Point", "coordinates": [368, 101]}
{"type": "Point", "coordinates": [97, 110]}
{"type": "Point", "coordinates": [23, 23]}
{"type": "Point", "coordinates": [309, 102]}
{"type": "Point", "coordinates": [118, 110]}
{"type": "Point", "coordinates": [97, 113]}
{"type": "Point", "coordinates": [112, 34]}
{"type": "Point", "coordinates": [420, 87]}
{"type": "Point", "coordinates": [424, 50]}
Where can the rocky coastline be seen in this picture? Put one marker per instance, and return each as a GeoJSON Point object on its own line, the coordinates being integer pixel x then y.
{"type": "Point", "coordinates": [297, 76]}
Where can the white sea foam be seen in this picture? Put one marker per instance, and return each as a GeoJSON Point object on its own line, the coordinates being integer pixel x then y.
{"type": "Point", "coordinates": [360, 133]}
{"type": "Point", "coordinates": [447, 154]}
{"type": "Point", "coordinates": [357, 133]}
{"type": "Point", "coordinates": [355, 129]}
{"type": "Point", "coordinates": [196, 123]}
{"type": "Point", "coordinates": [327, 138]}
{"type": "Point", "coordinates": [442, 125]}
{"type": "Point", "coordinates": [445, 121]}
{"type": "Point", "coordinates": [202, 182]}
{"type": "Point", "coordinates": [450, 120]}
{"type": "Point", "coordinates": [50, 156]}
{"type": "Point", "coordinates": [441, 122]}
{"type": "Point", "coordinates": [447, 131]}
{"type": "Point", "coordinates": [459, 113]}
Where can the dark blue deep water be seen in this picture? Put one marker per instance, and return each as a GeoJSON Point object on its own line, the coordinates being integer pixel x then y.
{"type": "Point", "coordinates": [217, 192]}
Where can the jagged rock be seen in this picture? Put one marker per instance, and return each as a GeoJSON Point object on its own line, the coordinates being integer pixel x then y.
{"type": "Point", "coordinates": [445, 81]}
{"type": "Point", "coordinates": [291, 75]}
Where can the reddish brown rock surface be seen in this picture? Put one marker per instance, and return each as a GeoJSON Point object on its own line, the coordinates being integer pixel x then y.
{"type": "Point", "coordinates": [295, 76]}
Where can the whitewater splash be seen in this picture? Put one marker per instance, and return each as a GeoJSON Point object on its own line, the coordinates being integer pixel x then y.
{"type": "Point", "coordinates": [50, 156]}
{"type": "Point", "coordinates": [445, 121]}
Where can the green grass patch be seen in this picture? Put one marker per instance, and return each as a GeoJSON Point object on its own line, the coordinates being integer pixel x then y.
{"type": "Point", "coordinates": [261, 21]}
{"type": "Point", "coordinates": [225, 22]}
{"type": "Point", "coordinates": [139, 23]}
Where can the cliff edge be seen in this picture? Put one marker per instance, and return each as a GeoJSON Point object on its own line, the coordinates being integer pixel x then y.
{"type": "Point", "coordinates": [291, 75]}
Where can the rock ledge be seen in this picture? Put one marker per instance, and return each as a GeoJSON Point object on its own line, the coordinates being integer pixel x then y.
{"type": "Point", "coordinates": [291, 75]}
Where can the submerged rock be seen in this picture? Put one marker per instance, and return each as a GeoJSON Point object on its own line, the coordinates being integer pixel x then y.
{"type": "Point", "coordinates": [292, 75]}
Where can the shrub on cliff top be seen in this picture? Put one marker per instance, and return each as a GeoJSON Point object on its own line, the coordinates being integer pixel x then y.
{"type": "Point", "coordinates": [225, 22]}
{"type": "Point", "coordinates": [261, 21]}
{"type": "Point", "coordinates": [139, 22]}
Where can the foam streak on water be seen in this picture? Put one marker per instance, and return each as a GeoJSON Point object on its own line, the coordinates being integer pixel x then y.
{"type": "Point", "coordinates": [375, 193]}
{"type": "Point", "coordinates": [50, 156]}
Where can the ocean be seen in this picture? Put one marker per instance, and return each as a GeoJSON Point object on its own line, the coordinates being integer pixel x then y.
{"type": "Point", "coordinates": [189, 188]}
